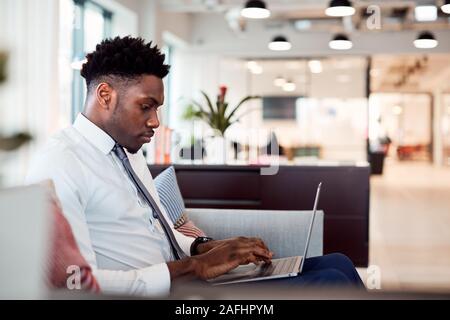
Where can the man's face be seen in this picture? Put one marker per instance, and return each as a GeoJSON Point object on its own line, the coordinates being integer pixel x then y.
{"type": "Point", "coordinates": [134, 118]}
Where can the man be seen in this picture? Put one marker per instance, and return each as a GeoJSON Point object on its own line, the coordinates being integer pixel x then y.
{"type": "Point", "coordinates": [107, 192]}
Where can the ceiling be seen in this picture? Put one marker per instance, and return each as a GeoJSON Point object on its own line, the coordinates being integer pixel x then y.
{"type": "Point", "coordinates": [396, 14]}
{"type": "Point", "coordinates": [391, 73]}
{"type": "Point", "coordinates": [221, 5]}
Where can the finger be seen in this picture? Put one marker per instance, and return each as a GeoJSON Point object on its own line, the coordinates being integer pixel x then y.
{"type": "Point", "coordinates": [259, 242]}
{"type": "Point", "coordinates": [252, 259]}
{"type": "Point", "coordinates": [259, 252]}
{"type": "Point", "coordinates": [260, 260]}
{"type": "Point", "coordinates": [266, 256]}
{"type": "Point", "coordinates": [263, 244]}
{"type": "Point", "coordinates": [242, 252]}
{"type": "Point", "coordinates": [264, 259]}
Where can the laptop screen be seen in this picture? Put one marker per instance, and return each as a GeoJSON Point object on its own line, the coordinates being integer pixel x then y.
{"type": "Point", "coordinates": [316, 201]}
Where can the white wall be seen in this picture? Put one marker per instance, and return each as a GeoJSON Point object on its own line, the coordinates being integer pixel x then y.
{"type": "Point", "coordinates": [125, 16]}
{"type": "Point", "coordinates": [190, 73]}
{"type": "Point", "coordinates": [154, 23]}
{"type": "Point", "coordinates": [178, 24]}
{"type": "Point", "coordinates": [148, 19]}
{"type": "Point", "coordinates": [133, 5]}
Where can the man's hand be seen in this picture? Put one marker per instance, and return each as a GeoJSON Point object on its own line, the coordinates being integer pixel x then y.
{"type": "Point", "coordinates": [226, 255]}
{"type": "Point", "coordinates": [205, 247]}
{"type": "Point", "coordinates": [220, 257]}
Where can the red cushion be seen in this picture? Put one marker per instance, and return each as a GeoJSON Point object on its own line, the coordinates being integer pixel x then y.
{"type": "Point", "coordinates": [190, 230]}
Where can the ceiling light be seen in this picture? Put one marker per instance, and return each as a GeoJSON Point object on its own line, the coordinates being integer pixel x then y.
{"type": "Point", "coordinates": [254, 67]}
{"type": "Point", "coordinates": [446, 6]}
{"type": "Point", "coordinates": [289, 86]}
{"type": "Point", "coordinates": [340, 42]}
{"type": "Point", "coordinates": [425, 40]}
{"type": "Point", "coordinates": [280, 43]}
{"type": "Point", "coordinates": [279, 81]}
{"type": "Point", "coordinates": [425, 13]}
{"type": "Point", "coordinates": [340, 8]}
{"type": "Point", "coordinates": [315, 66]}
{"type": "Point", "coordinates": [255, 9]}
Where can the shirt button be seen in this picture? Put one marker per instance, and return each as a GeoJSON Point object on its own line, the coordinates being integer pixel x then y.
{"type": "Point", "coordinates": [151, 225]}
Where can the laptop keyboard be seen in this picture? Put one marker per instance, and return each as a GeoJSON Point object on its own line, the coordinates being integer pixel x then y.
{"type": "Point", "coordinates": [280, 266]}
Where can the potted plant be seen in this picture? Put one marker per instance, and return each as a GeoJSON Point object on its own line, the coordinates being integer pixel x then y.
{"type": "Point", "coordinates": [10, 143]}
{"type": "Point", "coordinates": [219, 116]}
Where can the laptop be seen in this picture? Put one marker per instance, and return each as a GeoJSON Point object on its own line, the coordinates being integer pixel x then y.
{"type": "Point", "coordinates": [279, 268]}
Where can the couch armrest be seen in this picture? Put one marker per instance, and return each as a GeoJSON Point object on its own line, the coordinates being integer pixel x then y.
{"type": "Point", "coordinates": [283, 231]}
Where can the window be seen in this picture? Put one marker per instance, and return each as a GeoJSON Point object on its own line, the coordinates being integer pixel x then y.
{"type": "Point", "coordinates": [90, 23]}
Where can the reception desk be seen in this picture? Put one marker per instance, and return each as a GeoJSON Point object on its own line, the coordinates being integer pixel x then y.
{"type": "Point", "coordinates": [344, 196]}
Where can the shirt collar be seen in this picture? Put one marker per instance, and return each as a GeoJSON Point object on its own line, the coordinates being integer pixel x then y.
{"type": "Point", "coordinates": [96, 136]}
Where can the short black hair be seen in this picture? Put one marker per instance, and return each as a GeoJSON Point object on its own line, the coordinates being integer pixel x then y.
{"type": "Point", "coordinates": [125, 58]}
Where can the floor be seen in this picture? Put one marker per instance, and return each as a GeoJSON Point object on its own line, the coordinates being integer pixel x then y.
{"type": "Point", "coordinates": [410, 228]}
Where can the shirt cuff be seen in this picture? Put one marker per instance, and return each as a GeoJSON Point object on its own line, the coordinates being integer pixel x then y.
{"type": "Point", "coordinates": [156, 280]}
{"type": "Point", "coordinates": [185, 242]}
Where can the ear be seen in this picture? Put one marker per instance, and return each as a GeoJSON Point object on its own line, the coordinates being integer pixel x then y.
{"type": "Point", "coordinates": [105, 95]}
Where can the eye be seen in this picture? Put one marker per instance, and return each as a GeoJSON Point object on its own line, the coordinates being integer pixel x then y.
{"type": "Point", "coordinates": [145, 106]}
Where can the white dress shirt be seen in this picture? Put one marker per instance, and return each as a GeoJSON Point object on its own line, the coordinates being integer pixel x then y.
{"type": "Point", "coordinates": [114, 227]}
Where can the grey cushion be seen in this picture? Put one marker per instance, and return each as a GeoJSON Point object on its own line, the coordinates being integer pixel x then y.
{"type": "Point", "coordinates": [283, 231]}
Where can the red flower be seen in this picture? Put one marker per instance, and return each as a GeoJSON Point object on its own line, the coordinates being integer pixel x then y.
{"type": "Point", "coordinates": [223, 92]}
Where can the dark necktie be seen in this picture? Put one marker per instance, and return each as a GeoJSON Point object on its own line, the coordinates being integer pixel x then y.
{"type": "Point", "coordinates": [120, 153]}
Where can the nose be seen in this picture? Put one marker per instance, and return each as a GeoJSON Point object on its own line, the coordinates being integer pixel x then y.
{"type": "Point", "coordinates": [153, 121]}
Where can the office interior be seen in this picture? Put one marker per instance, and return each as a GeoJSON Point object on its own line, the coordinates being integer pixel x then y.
{"type": "Point", "coordinates": [368, 114]}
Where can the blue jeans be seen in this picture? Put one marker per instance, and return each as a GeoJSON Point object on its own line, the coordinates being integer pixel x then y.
{"type": "Point", "coordinates": [329, 270]}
